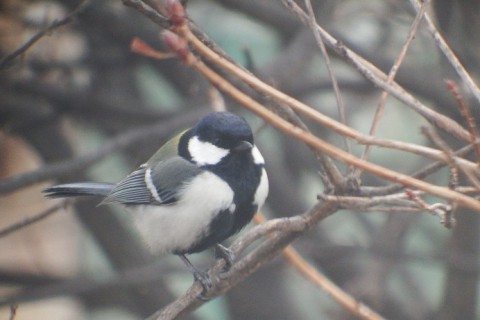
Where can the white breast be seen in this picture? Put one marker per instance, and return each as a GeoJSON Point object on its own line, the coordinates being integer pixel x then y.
{"type": "Point", "coordinates": [176, 227]}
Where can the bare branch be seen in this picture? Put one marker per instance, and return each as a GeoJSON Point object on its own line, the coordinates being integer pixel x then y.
{"type": "Point", "coordinates": [354, 306]}
{"type": "Point", "coordinates": [392, 73]}
{"type": "Point", "coordinates": [148, 11]}
{"type": "Point", "coordinates": [377, 77]}
{"type": "Point", "coordinates": [448, 53]}
{"type": "Point", "coordinates": [7, 60]}
{"type": "Point", "coordinates": [312, 22]}
{"type": "Point", "coordinates": [467, 115]}
{"type": "Point", "coordinates": [311, 139]}
{"type": "Point", "coordinates": [264, 253]}
{"type": "Point", "coordinates": [35, 218]}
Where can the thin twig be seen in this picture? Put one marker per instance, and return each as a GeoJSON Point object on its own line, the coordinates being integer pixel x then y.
{"type": "Point", "coordinates": [312, 21]}
{"type": "Point", "coordinates": [442, 210]}
{"type": "Point", "coordinates": [378, 77]}
{"type": "Point", "coordinates": [448, 53]}
{"type": "Point", "coordinates": [467, 114]}
{"type": "Point", "coordinates": [437, 140]}
{"type": "Point", "coordinates": [361, 202]}
{"type": "Point", "coordinates": [148, 11]}
{"type": "Point", "coordinates": [35, 218]}
{"type": "Point", "coordinates": [39, 35]}
{"type": "Point", "coordinates": [419, 174]}
{"type": "Point", "coordinates": [391, 76]}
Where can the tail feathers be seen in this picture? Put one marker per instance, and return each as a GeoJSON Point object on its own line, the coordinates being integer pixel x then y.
{"type": "Point", "coordinates": [78, 189]}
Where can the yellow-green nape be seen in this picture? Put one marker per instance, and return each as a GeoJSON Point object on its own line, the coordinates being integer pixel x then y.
{"type": "Point", "coordinates": [168, 150]}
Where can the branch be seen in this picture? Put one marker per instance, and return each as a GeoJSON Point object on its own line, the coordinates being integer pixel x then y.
{"type": "Point", "coordinates": [466, 114]}
{"type": "Point", "coordinates": [313, 114]}
{"type": "Point", "coordinates": [377, 77]}
{"type": "Point", "coordinates": [55, 25]}
{"type": "Point", "coordinates": [448, 53]}
{"type": "Point", "coordinates": [313, 140]}
{"type": "Point", "coordinates": [392, 73]}
{"type": "Point", "coordinates": [264, 253]}
{"type": "Point", "coordinates": [312, 22]}
{"type": "Point", "coordinates": [35, 218]}
{"type": "Point", "coordinates": [354, 306]}
{"type": "Point", "coordinates": [148, 11]}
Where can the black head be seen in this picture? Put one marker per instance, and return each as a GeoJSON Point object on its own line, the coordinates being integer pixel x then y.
{"type": "Point", "coordinates": [216, 136]}
{"type": "Point", "coordinates": [223, 129]}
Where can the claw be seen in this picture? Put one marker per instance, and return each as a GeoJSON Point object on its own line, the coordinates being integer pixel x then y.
{"type": "Point", "coordinates": [203, 278]}
{"type": "Point", "coordinates": [206, 283]}
{"type": "Point", "coordinates": [222, 252]}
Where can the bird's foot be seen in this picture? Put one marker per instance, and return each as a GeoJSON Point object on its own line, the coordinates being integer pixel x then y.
{"type": "Point", "coordinates": [201, 276]}
{"type": "Point", "coordinates": [204, 279]}
{"type": "Point", "coordinates": [222, 252]}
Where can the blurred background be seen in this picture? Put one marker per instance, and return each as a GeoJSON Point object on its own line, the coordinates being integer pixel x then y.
{"type": "Point", "coordinates": [79, 105]}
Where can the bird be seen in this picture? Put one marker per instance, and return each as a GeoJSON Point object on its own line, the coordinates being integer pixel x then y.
{"type": "Point", "coordinates": [200, 188]}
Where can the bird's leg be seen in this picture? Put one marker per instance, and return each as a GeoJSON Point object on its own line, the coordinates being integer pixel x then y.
{"type": "Point", "coordinates": [198, 275]}
{"type": "Point", "coordinates": [222, 252]}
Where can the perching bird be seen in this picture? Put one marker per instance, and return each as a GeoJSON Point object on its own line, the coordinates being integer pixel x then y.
{"type": "Point", "coordinates": [197, 190]}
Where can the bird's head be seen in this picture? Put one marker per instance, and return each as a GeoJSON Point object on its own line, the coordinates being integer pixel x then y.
{"type": "Point", "coordinates": [217, 136]}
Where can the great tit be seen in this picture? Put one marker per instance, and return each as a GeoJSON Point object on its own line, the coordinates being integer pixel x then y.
{"type": "Point", "coordinates": [197, 190]}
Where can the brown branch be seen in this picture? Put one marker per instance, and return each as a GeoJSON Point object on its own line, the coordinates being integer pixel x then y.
{"type": "Point", "coordinates": [364, 203]}
{"type": "Point", "coordinates": [467, 115]}
{"type": "Point", "coordinates": [377, 77]}
{"type": "Point", "coordinates": [448, 53]}
{"type": "Point", "coordinates": [437, 140]}
{"type": "Point", "coordinates": [419, 174]}
{"type": "Point", "coordinates": [392, 73]}
{"type": "Point", "coordinates": [264, 253]}
{"type": "Point", "coordinates": [333, 175]}
{"type": "Point", "coordinates": [7, 60]}
{"type": "Point", "coordinates": [270, 247]}
{"type": "Point", "coordinates": [343, 298]}
{"type": "Point", "coordinates": [319, 144]}
{"type": "Point", "coordinates": [313, 114]}
{"type": "Point", "coordinates": [312, 22]}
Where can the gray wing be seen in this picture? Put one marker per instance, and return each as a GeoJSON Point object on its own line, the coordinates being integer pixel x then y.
{"type": "Point", "coordinates": [154, 184]}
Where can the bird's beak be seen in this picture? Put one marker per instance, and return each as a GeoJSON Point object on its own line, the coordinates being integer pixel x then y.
{"type": "Point", "coordinates": [243, 146]}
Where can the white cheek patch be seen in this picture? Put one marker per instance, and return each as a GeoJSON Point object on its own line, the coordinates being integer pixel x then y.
{"type": "Point", "coordinates": [257, 156]}
{"type": "Point", "coordinates": [262, 190]}
{"type": "Point", "coordinates": [205, 153]}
